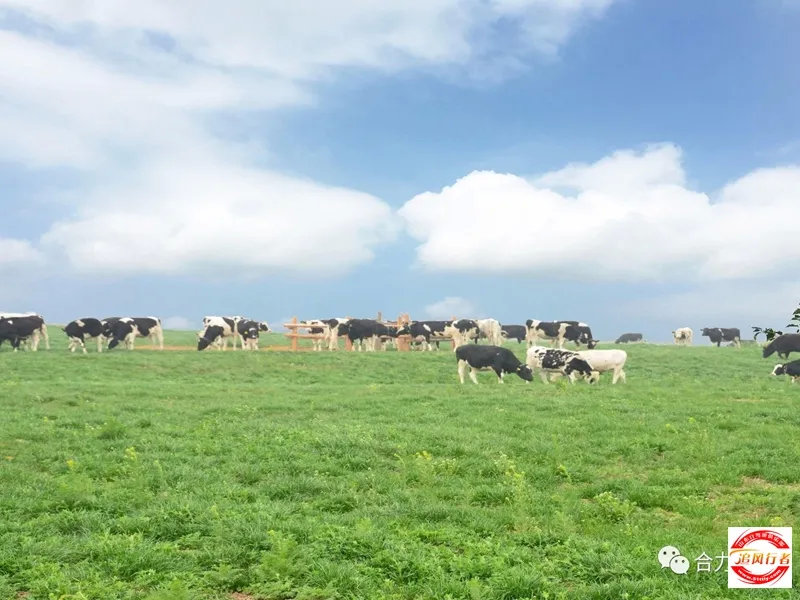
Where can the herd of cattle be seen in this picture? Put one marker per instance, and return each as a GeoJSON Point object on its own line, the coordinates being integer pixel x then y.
{"type": "Point", "coordinates": [371, 335]}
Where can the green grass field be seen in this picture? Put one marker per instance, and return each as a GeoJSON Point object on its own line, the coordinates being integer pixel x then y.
{"type": "Point", "coordinates": [181, 475]}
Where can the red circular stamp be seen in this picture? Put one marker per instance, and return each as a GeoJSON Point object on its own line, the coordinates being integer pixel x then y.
{"type": "Point", "coordinates": [759, 557]}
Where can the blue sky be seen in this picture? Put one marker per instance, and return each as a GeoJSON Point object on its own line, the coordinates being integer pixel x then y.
{"type": "Point", "coordinates": [628, 163]}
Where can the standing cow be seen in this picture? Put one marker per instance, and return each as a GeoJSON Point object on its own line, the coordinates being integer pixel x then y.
{"type": "Point", "coordinates": [683, 336]}
{"type": "Point", "coordinates": [79, 330]}
{"type": "Point", "coordinates": [629, 338]}
{"type": "Point", "coordinates": [462, 331]}
{"type": "Point", "coordinates": [514, 332]}
{"type": "Point", "coordinates": [41, 331]}
{"type": "Point", "coordinates": [21, 329]}
{"type": "Point", "coordinates": [491, 330]}
{"type": "Point", "coordinates": [717, 335]}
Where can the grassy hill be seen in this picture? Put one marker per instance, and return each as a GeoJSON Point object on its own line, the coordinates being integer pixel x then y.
{"type": "Point", "coordinates": [169, 475]}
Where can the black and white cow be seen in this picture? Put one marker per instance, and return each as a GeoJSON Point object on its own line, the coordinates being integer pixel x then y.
{"type": "Point", "coordinates": [514, 332]}
{"type": "Point", "coordinates": [423, 332]}
{"type": "Point", "coordinates": [79, 330]}
{"type": "Point", "coordinates": [559, 332]}
{"type": "Point", "coordinates": [249, 331]}
{"type": "Point", "coordinates": [462, 331]}
{"type": "Point", "coordinates": [33, 339]}
{"type": "Point", "coordinates": [20, 329]}
{"type": "Point", "coordinates": [717, 335]}
{"type": "Point", "coordinates": [558, 362]}
{"type": "Point", "coordinates": [337, 327]}
{"type": "Point", "coordinates": [791, 369]}
{"type": "Point", "coordinates": [124, 330]}
{"type": "Point", "coordinates": [783, 345]}
{"type": "Point", "coordinates": [217, 330]}
{"type": "Point", "coordinates": [629, 338]}
{"type": "Point", "coordinates": [483, 358]}
{"type": "Point", "coordinates": [319, 328]}
{"type": "Point", "coordinates": [366, 333]}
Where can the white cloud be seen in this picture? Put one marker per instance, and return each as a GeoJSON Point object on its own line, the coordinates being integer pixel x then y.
{"type": "Point", "coordinates": [123, 97]}
{"type": "Point", "coordinates": [449, 307]}
{"type": "Point", "coordinates": [629, 216]}
{"type": "Point", "coordinates": [208, 217]}
{"type": "Point", "coordinates": [17, 253]}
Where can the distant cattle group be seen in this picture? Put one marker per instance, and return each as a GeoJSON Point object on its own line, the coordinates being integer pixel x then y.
{"type": "Point", "coordinates": [28, 330]}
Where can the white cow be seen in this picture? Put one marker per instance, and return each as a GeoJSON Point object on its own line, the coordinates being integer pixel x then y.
{"type": "Point", "coordinates": [606, 360]}
{"type": "Point", "coordinates": [491, 330]}
{"type": "Point", "coordinates": [33, 343]}
{"type": "Point", "coordinates": [683, 336]}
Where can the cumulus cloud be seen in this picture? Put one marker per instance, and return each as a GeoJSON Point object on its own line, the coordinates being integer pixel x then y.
{"type": "Point", "coordinates": [123, 98]}
{"type": "Point", "coordinates": [451, 306]}
{"type": "Point", "coordinates": [629, 216]}
{"type": "Point", "coordinates": [181, 218]}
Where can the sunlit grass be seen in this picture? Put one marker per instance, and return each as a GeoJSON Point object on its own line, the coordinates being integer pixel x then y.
{"type": "Point", "coordinates": [344, 475]}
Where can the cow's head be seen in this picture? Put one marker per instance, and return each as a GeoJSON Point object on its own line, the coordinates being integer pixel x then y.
{"type": "Point", "coordinates": [263, 326]}
{"type": "Point", "coordinates": [525, 372]}
{"type": "Point", "coordinates": [591, 343]}
{"type": "Point", "coordinates": [404, 329]}
{"type": "Point", "coordinates": [580, 367]}
{"type": "Point", "coordinates": [779, 370]}
{"type": "Point", "coordinates": [706, 331]}
{"type": "Point", "coordinates": [251, 333]}
{"type": "Point", "coordinates": [208, 336]}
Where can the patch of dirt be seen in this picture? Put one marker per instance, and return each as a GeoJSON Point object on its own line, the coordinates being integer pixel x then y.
{"type": "Point", "coordinates": [241, 596]}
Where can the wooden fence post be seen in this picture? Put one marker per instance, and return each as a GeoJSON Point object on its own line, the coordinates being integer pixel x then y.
{"type": "Point", "coordinates": [294, 337]}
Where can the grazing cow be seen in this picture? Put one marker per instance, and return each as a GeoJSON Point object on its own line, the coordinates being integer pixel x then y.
{"type": "Point", "coordinates": [119, 330]}
{"type": "Point", "coordinates": [559, 362]}
{"type": "Point", "coordinates": [462, 331]}
{"type": "Point", "coordinates": [19, 329]}
{"type": "Point", "coordinates": [559, 332]}
{"type": "Point", "coordinates": [42, 329]}
{"type": "Point", "coordinates": [683, 336]}
{"type": "Point", "coordinates": [717, 335]}
{"type": "Point", "coordinates": [514, 332]}
{"type": "Point", "coordinates": [366, 333]}
{"type": "Point", "coordinates": [80, 329]}
{"type": "Point", "coordinates": [783, 345]}
{"type": "Point", "coordinates": [248, 332]}
{"type": "Point", "coordinates": [791, 369]}
{"type": "Point", "coordinates": [482, 358]}
{"type": "Point", "coordinates": [606, 360]}
{"type": "Point", "coordinates": [125, 330]}
{"type": "Point", "coordinates": [629, 338]}
{"type": "Point", "coordinates": [216, 331]}
{"type": "Point", "coordinates": [490, 329]}
{"type": "Point", "coordinates": [222, 329]}
{"type": "Point", "coordinates": [423, 331]}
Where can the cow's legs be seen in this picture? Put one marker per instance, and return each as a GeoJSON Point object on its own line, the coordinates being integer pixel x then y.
{"type": "Point", "coordinates": [543, 376]}
{"type": "Point", "coordinates": [462, 366]}
{"type": "Point", "coordinates": [499, 373]}
{"type": "Point", "coordinates": [472, 375]}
